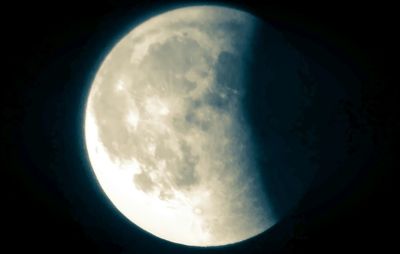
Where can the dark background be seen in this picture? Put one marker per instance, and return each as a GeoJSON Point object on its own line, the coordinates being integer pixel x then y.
{"type": "Point", "coordinates": [52, 202]}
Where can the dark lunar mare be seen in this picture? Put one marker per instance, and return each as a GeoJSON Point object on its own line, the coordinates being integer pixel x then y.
{"type": "Point", "coordinates": [305, 113]}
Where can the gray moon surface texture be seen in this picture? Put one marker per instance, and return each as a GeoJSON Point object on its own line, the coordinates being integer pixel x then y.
{"type": "Point", "coordinates": [166, 132]}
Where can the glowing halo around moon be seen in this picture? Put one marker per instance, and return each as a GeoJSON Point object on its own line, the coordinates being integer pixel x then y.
{"type": "Point", "coordinates": [165, 131]}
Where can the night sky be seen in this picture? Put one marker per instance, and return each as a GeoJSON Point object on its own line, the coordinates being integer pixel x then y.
{"type": "Point", "coordinates": [53, 203]}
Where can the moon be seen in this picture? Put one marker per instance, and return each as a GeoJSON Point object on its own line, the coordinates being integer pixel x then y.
{"type": "Point", "coordinates": [166, 133]}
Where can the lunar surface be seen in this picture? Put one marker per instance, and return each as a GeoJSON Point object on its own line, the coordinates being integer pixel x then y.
{"type": "Point", "coordinates": [166, 133]}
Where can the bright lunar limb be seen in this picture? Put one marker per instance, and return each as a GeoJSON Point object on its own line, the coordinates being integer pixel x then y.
{"type": "Point", "coordinates": [165, 130]}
